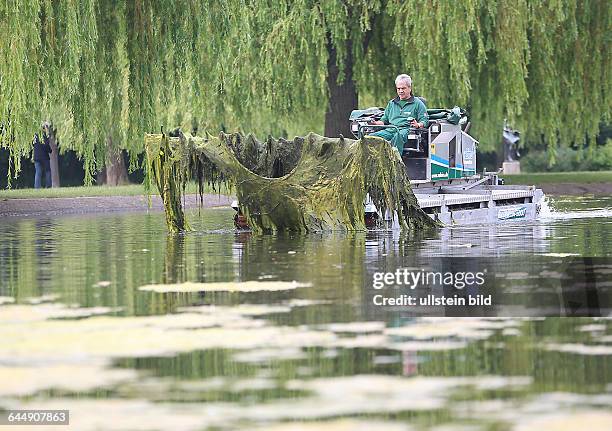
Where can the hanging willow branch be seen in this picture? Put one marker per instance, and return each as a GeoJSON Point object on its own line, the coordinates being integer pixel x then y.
{"type": "Point", "coordinates": [307, 184]}
{"type": "Point", "coordinates": [101, 68]}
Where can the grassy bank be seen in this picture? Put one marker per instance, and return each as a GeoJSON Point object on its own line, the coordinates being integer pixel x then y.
{"type": "Point", "coordinates": [138, 189]}
{"type": "Point", "coordinates": [74, 192]}
{"type": "Point", "coordinates": [560, 178]}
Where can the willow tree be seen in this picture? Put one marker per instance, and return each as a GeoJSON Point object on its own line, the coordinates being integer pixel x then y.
{"type": "Point", "coordinates": [58, 70]}
{"type": "Point", "coordinates": [105, 72]}
{"type": "Point", "coordinates": [543, 66]}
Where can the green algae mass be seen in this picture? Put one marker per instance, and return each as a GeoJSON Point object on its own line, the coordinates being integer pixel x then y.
{"type": "Point", "coordinates": [307, 184]}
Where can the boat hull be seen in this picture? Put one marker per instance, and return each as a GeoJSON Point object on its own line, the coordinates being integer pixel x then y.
{"type": "Point", "coordinates": [487, 205]}
{"type": "Point", "coordinates": [453, 205]}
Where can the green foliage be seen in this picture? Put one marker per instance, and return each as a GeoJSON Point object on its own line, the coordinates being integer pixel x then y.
{"type": "Point", "coordinates": [593, 158]}
{"type": "Point", "coordinates": [106, 72]}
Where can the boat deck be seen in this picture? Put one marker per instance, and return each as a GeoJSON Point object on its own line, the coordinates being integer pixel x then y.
{"type": "Point", "coordinates": [475, 196]}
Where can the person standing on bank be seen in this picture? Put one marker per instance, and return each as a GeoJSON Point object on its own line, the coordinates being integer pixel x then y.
{"type": "Point", "coordinates": [404, 111]}
{"type": "Point", "coordinates": [41, 162]}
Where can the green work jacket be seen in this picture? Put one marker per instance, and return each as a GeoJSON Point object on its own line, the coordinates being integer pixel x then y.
{"type": "Point", "coordinates": [398, 112]}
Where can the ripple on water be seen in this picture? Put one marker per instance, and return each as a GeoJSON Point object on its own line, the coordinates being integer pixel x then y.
{"type": "Point", "coordinates": [73, 350]}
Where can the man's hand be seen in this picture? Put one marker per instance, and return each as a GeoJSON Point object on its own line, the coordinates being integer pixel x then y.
{"type": "Point", "coordinates": [416, 124]}
{"type": "Point", "coordinates": [377, 123]}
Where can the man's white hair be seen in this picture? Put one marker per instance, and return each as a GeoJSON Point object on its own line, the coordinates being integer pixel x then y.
{"type": "Point", "coordinates": [405, 78]}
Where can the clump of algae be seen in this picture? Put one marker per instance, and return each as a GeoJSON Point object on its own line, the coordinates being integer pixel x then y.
{"type": "Point", "coordinates": [311, 183]}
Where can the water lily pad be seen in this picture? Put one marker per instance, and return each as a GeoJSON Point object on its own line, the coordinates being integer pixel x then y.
{"type": "Point", "coordinates": [20, 381]}
{"type": "Point", "coordinates": [429, 346]}
{"type": "Point", "coordinates": [491, 383]}
{"type": "Point", "coordinates": [445, 327]}
{"type": "Point", "coordinates": [361, 394]}
{"type": "Point", "coordinates": [104, 337]}
{"type": "Point", "coordinates": [300, 302]}
{"type": "Point", "coordinates": [41, 299]}
{"type": "Point", "coordinates": [511, 332]}
{"type": "Point", "coordinates": [268, 355]}
{"type": "Point", "coordinates": [338, 425]}
{"type": "Point", "coordinates": [245, 286]}
{"type": "Point", "coordinates": [592, 328]}
{"type": "Point", "coordinates": [581, 349]}
{"type": "Point", "coordinates": [593, 420]}
{"type": "Point", "coordinates": [356, 327]}
{"type": "Point", "coordinates": [460, 427]}
{"type": "Point", "coordinates": [44, 311]}
{"type": "Point", "coordinates": [120, 414]}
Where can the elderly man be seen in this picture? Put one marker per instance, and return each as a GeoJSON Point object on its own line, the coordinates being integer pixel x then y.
{"type": "Point", "coordinates": [404, 111]}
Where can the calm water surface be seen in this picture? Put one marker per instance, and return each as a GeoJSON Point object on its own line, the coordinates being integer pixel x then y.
{"type": "Point", "coordinates": [81, 329]}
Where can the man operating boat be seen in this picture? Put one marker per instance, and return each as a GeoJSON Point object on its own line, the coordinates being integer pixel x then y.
{"type": "Point", "coordinates": [403, 112]}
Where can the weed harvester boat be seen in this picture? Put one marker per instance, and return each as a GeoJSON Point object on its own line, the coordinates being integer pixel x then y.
{"type": "Point", "coordinates": [440, 161]}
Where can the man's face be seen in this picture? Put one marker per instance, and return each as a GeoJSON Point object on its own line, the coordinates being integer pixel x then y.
{"type": "Point", "coordinates": [403, 90]}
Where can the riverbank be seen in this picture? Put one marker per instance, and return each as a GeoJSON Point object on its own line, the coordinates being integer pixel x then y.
{"type": "Point", "coordinates": [572, 189]}
{"type": "Point", "coordinates": [99, 199]}
{"type": "Point", "coordinates": [566, 183]}
{"type": "Point", "coordinates": [36, 207]}
{"type": "Point", "coordinates": [88, 191]}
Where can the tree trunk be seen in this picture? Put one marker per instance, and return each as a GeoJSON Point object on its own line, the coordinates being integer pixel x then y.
{"type": "Point", "coordinates": [115, 171]}
{"type": "Point", "coordinates": [101, 176]}
{"type": "Point", "coordinates": [343, 97]}
{"type": "Point", "coordinates": [54, 156]}
{"type": "Point", "coordinates": [54, 160]}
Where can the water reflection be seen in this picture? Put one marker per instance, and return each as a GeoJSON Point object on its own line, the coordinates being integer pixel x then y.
{"type": "Point", "coordinates": [231, 360]}
{"type": "Point", "coordinates": [175, 270]}
{"type": "Point", "coordinates": [528, 270]}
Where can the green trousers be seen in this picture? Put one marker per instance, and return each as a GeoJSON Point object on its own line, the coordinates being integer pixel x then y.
{"type": "Point", "coordinates": [395, 137]}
